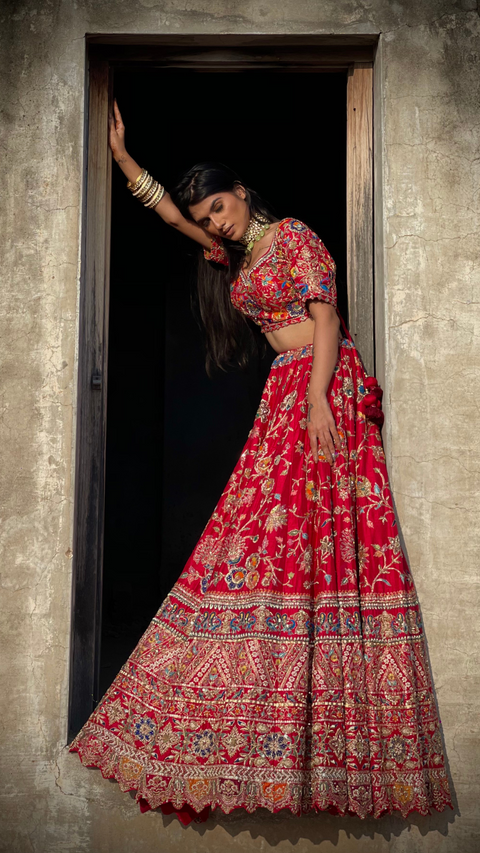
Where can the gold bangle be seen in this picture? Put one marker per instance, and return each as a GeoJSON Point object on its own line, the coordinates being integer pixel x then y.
{"type": "Point", "coordinates": [141, 192]}
{"type": "Point", "coordinates": [133, 185]}
{"type": "Point", "coordinates": [144, 186]}
{"type": "Point", "coordinates": [156, 198]}
{"type": "Point", "coordinates": [152, 194]}
{"type": "Point", "coordinates": [140, 187]}
{"type": "Point", "coordinates": [146, 189]}
{"type": "Point", "coordinates": [148, 196]}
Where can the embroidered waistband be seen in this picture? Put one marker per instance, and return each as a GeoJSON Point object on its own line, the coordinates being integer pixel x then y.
{"type": "Point", "coordinates": [301, 352]}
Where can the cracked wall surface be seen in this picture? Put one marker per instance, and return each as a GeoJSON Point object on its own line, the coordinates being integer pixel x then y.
{"type": "Point", "coordinates": [429, 217]}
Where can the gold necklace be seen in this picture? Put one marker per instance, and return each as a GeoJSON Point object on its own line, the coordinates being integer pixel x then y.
{"type": "Point", "coordinates": [257, 227]}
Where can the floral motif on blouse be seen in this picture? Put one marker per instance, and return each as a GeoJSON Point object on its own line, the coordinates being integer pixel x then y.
{"type": "Point", "coordinates": [294, 270]}
{"type": "Point", "coordinates": [217, 253]}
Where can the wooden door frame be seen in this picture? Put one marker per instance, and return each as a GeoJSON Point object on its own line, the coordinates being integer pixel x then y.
{"type": "Point", "coordinates": [352, 54]}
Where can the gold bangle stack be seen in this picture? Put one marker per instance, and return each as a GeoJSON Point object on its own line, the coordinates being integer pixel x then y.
{"type": "Point", "coordinates": [148, 191]}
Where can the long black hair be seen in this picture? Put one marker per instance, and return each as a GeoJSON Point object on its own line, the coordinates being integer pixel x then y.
{"type": "Point", "coordinates": [229, 335]}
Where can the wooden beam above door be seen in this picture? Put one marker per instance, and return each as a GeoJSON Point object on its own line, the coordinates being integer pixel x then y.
{"type": "Point", "coordinates": [223, 52]}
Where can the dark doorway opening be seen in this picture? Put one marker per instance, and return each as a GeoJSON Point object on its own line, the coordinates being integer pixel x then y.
{"type": "Point", "coordinates": [173, 435]}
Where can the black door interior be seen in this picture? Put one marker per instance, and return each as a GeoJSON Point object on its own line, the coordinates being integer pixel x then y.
{"type": "Point", "coordinates": [173, 434]}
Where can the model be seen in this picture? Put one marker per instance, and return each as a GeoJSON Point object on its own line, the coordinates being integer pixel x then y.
{"type": "Point", "coordinates": [287, 667]}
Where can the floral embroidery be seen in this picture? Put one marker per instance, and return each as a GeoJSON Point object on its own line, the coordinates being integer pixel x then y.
{"type": "Point", "coordinates": [252, 579]}
{"type": "Point", "coordinates": [167, 739]}
{"type": "Point", "coordinates": [275, 744]}
{"type": "Point", "coordinates": [144, 729]}
{"type": "Point", "coordinates": [277, 518]}
{"type": "Point", "coordinates": [292, 639]}
{"type": "Point", "coordinates": [234, 742]}
{"type": "Point", "coordinates": [235, 579]}
{"type": "Point", "coordinates": [299, 269]}
{"type": "Point", "coordinates": [203, 743]}
{"type": "Point", "coordinates": [217, 253]}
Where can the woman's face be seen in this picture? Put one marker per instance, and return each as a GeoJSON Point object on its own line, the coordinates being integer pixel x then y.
{"type": "Point", "coordinates": [223, 214]}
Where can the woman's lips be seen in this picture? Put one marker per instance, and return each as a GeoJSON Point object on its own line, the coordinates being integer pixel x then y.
{"type": "Point", "coordinates": [228, 231]}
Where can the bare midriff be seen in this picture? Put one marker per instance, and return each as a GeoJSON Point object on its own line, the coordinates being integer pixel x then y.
{"type": "Point", "coordinates": [294, 336]}
{"type": "Point", "coordinates": [291, 337]}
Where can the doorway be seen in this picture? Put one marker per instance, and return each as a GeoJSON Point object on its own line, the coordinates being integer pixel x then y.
{"type": "Point", "coordinates": [148, 476]}
{"type": "Point", "coordinates": [173, 434]}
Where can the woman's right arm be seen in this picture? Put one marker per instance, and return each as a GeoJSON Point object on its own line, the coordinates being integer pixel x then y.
{"type": "Point", "coordinates": [165, 207]}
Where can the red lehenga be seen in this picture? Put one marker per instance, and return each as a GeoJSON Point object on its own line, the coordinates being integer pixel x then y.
{"type": "Point", "coordinates": [287, 667]}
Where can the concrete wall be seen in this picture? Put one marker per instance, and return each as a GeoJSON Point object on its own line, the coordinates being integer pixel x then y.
{"type": "Point", "coordinates": [429, 218]}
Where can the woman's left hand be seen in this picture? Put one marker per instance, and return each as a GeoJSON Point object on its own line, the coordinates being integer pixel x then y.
{"type": "Point", "coordinates": [322, 431]}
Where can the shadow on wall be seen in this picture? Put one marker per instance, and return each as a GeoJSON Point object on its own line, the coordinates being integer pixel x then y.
{"type": "Point", "coordinates": [320, 826]}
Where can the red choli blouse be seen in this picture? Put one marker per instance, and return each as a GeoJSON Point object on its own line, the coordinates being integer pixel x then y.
{"type": "Point", "coordinates": [295, 269]}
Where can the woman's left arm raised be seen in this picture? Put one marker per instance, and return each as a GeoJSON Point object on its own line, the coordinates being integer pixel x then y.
{"type": "Point", "coordinates": [320, 422]}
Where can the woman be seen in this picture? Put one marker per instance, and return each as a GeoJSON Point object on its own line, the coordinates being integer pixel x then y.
{"type": "Point", "coordinates": [287, 667]}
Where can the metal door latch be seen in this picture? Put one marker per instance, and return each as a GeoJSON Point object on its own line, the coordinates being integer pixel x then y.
{"type": "Point", "coordinates": [96, 380]}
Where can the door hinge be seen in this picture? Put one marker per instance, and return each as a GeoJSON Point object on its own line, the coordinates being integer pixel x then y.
{"type": "Point", "coordinates": [96, 380]}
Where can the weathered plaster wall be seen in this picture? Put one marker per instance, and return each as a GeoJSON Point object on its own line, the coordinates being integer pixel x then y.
{"type": "Point", "coordinates": [430, 220]}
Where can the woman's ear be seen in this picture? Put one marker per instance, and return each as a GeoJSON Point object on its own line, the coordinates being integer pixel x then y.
{"type": "Point", "coordinates": [240, 191]}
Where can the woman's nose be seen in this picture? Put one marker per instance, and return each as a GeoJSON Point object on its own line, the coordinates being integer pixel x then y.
{"type": "Point", "coordinates": [217, 221]}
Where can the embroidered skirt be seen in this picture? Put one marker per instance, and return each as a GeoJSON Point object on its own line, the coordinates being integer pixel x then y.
{"type": "Point", "coordinates": [287, 667]}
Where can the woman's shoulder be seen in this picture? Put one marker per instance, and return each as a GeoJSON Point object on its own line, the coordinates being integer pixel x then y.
{"type": "Point", "coordinates": [295, 230]}
{"type": "Point", "coordinates": [291, 224]}
{"type": "Point", "coordinates": [296, 239]}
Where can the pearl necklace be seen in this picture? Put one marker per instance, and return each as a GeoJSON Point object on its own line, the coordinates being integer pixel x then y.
{"type": "Point", "coordinates": [257, 227]}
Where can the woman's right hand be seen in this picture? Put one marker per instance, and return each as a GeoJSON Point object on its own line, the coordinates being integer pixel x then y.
{"type": "Point", "coordinates": [117, 134]}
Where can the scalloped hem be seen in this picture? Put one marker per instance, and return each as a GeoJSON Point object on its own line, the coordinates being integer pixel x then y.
{"type": "Point", "coordinates": [186, 813]}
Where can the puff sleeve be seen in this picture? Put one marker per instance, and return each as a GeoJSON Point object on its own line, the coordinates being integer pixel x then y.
{"type": "Point", "coordinates": [312, 268]}
{"type": "Point", "coordinates": [217, 253]}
